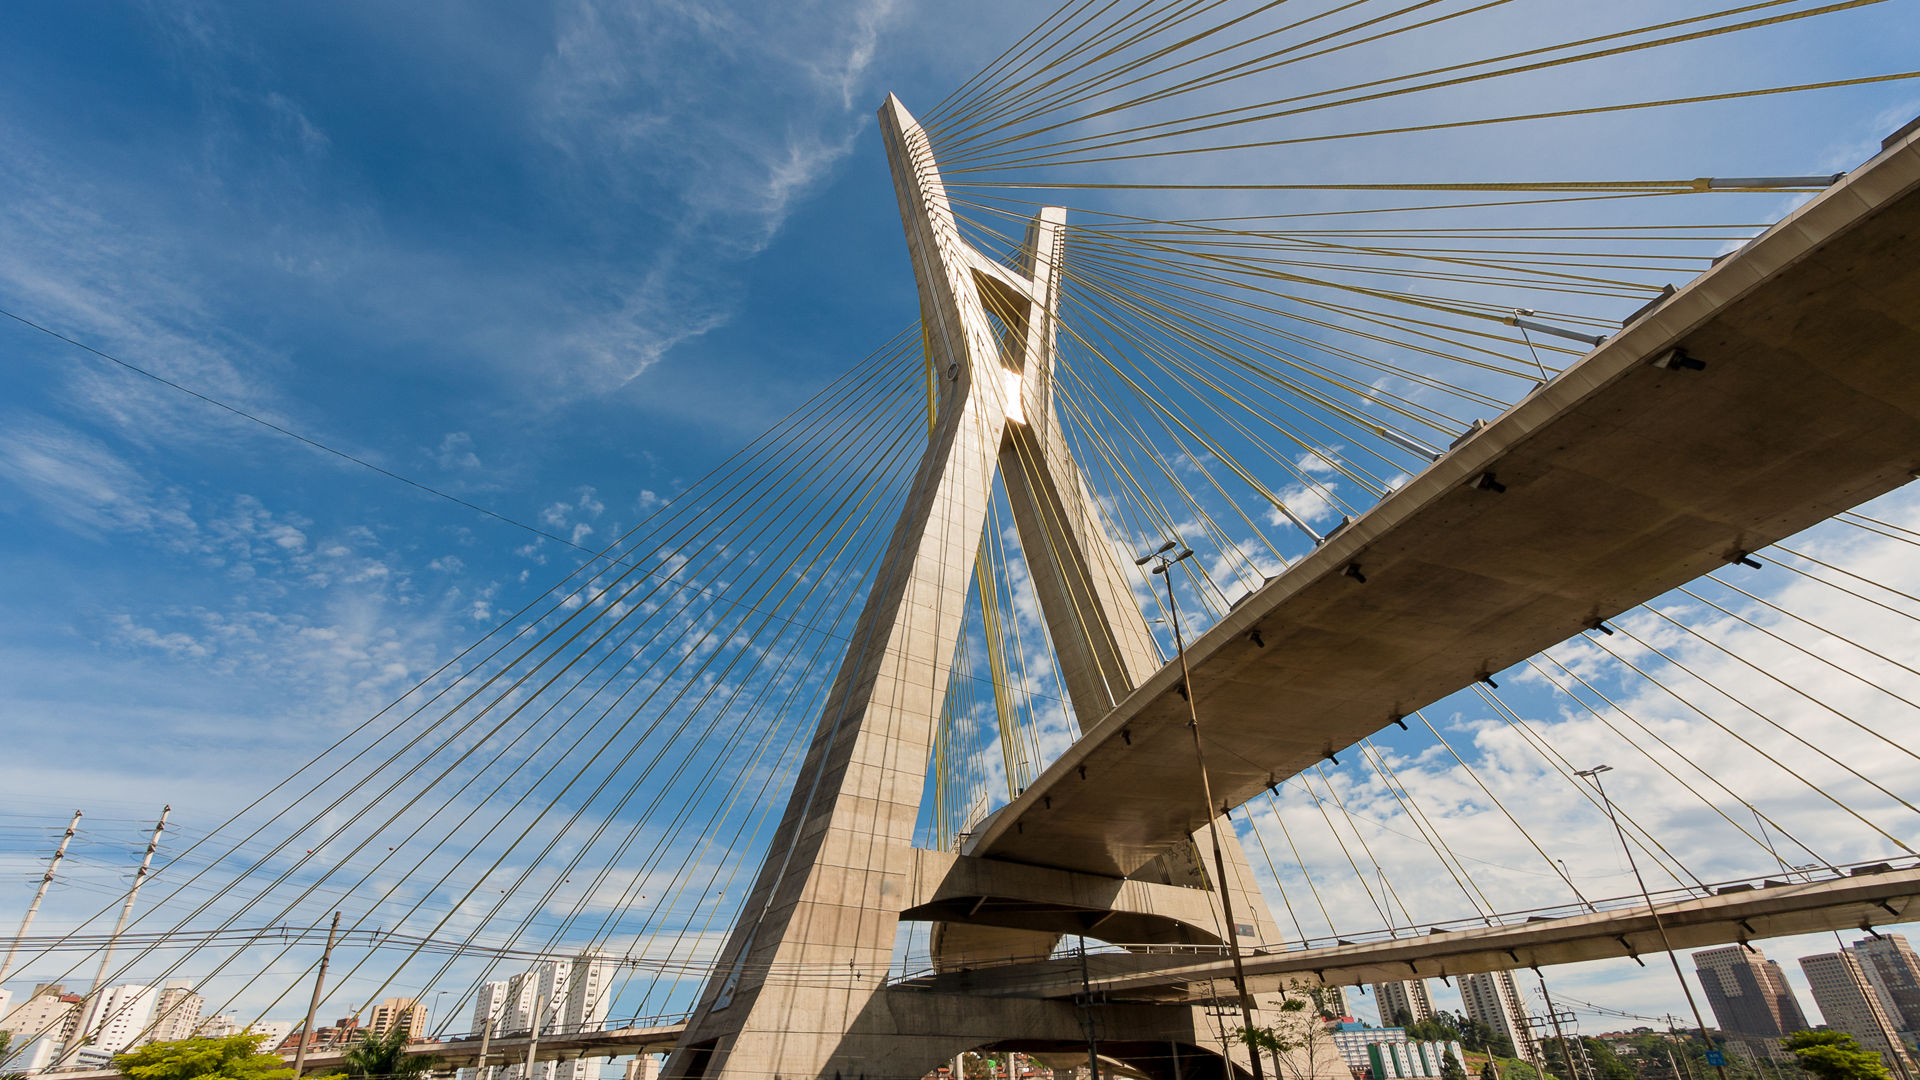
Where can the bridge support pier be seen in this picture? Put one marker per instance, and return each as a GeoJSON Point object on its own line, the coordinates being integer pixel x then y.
{"type": "Point", "coordinates": [906, 1034]}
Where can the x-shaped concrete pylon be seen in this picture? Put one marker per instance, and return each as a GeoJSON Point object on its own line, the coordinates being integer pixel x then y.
{"type": "Point", "coordinates": [798, 984]}
{"type": "Point", "coordinates": [998, 380]}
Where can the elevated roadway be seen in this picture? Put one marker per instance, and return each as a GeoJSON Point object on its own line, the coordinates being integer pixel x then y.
{"type": "Point", "coordinates": [1867, 897]}
{"type": "Point", "coordinates": [644, 1037]}
{"type": "Point", "coordinates": [1624, 477]}
{"type": "Point", "coordinates": [647, 1038]}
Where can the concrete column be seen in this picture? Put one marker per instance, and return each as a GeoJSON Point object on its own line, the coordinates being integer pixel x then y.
{"type": "Point", "coordinates": [816, 935]}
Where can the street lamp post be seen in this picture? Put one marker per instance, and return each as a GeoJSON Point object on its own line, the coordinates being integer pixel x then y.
{"type": "Point", "coordinates": [1163, 565]}
{"type": "Point", "coordinates": [1593, 774]}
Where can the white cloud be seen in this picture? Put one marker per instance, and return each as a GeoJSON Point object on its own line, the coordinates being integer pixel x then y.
{"type": "Point", "coordinates": [80, 483]}
{"type": "Point", "coordinates": [1770, 678]}
{"type": "Point", "coordinates": [456, 451]}
{"type": "Point", "coordinates": [617, 102]}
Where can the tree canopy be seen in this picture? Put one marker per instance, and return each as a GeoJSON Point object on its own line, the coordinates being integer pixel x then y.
{"type": "Point", "coordinates": [232, 1057]}
{"type": "Point", "coordinates": [384, 1057]}
{"type": "Point", "coordinates": [1834, 1055]}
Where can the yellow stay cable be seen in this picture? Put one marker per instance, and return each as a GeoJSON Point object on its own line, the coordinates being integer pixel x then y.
{"type": "Point", "coordinates": [1597, 54]}
{"type": "Point", "coordinates": [1558, 114]}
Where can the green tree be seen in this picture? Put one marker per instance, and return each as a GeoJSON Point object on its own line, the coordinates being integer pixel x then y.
{"type": "Point", "coordinates": [1451, 1069]}
{"type": "Point", "coordinates": [1514, 1069]}
{"type": "Point", "coordinates": [1490, 1071]}
{"type": "Point", "coordinates": [1833, 1055]}
{"type": "Point", "coordinates": [233, 1057]}
{"type": "Point", "coordinates": [6, 1051]}
{"type": "Point", "coordinates": [1476, 1035]}
{"type": "Point", "coordinates": [384, 1057]}
{"type": "Point", "coordinates": [1442, 1027]}
{"type": "Point", "coordinates": [1297, 1037]}
{"type": "Point", "coordinates": [1606, 1063]}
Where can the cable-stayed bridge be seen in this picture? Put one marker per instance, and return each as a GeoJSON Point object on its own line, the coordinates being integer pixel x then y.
{"type": "Point", "coordinates": [846, 752]}
{"type": "Point", "coordinates": [1625, 477]}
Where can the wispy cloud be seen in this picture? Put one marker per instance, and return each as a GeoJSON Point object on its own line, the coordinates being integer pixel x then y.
{"type": "Point", "coordinates": [722, 159]}
{"type": "Point", "coordinates": [81, 484]}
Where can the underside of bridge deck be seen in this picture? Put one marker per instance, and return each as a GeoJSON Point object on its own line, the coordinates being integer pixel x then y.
{"type": "Point", "coordinates": [1625, 477]}
{"type": "Point", "coordinates": [1862, 900]}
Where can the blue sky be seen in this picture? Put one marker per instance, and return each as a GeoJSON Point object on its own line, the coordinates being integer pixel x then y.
{"type": "Point", "coordinates": [555, 259]}
{"type": "Point", "coordinates": [459, 246]}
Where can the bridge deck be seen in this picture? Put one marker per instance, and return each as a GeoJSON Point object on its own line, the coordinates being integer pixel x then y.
{"type": "Point", "coordinates": [1622, 481]}
{"type": "Point", "coordinates": [1776, 909]}
{"type": "Point", "coordinates": [463, 1053]}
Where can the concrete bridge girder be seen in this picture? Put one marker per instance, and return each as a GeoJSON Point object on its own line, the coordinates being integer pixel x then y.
{"type": "Point", "coordinates": [988, 911]}
{"type": "Point", "coordinates": [1870, 896]}
{"type": "Point", "coordinates": [950, 887]}
{"type": "Point", "coordinates": [905, 1034]}
{"type": "Point", "coordinates": [1621, 478]}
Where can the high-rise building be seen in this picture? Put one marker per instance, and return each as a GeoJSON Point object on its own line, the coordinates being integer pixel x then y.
{"type": "Point", "coordinates": [590, 990]}
{"type": "Point", "coordinates": [1331, 1001]}
{"type": "Point", "coordinates": [339, 1034]}
{"type": "Point", "coordinates": [1849, 1004]}
{"type": "Point", "coordinates": [1748, 992]}
{"type": "Point", "coordinates": [487, 1007]}
{"type": "Point", "coordinates": [1409, 997]}
{"type": "Point", "coordinates": [218, 1026]}
{"type": "Point", "coordinates": [490, 1009]}
{"type": "Point", "coordinates": [1492, 998]}
{"type": "Point", "coordinates": [1893, 970]}
{"type": "Point", "coordinates": [272, 1032]}
{"type": "Point", "coordinates": [399, 1010]}
{"type": "Point", "coordinates": [50, 1011]}
{"type": "Point", "coordinates": [116, 1016]}
{"type": "Point", "coordinates": [570, 995]}
{"type": "Point", "coordinates": [176, 1013]}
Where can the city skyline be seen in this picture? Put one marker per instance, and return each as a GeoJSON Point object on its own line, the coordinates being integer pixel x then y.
{"type": "Point", "coordinates": [1360, 1000]}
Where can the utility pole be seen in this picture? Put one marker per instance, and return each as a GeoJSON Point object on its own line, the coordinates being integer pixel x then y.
{"type": "Point", "coordinates": [480, 1070]}
{"type": "Point", "coordinates": [1673, 1033]}
{"type": "Point", "coordinates": [1553, 1017]}
{"type": "Point", "coordinates": [40, 894]}
{"type": "Point", "coordinates": [106, 958]}
{"type": "Point", "coordinates": [533, 1037]}
{"type": "Point", "coordinates": [1715, 1057]}
{"type": "Point", "coordinates": [1086, 1015]}
{"type": "Point", "coordinates": [1165, 570]}
{"type": "Point", "coordinates": [313, 1003]}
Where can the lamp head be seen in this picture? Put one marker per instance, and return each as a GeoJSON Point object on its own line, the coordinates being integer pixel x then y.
{"type": "Point", "coordinates": [1156, 552]}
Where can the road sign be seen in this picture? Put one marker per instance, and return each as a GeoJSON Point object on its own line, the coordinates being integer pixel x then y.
{"type": "Point", "coordinates": [1717, 1058]}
